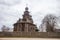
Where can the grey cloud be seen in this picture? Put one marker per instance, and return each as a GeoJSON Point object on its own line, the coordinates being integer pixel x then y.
{"type": "Point", "coordinates": [7, 15]}
{"type": "Point", "coordinates": [9, 2]}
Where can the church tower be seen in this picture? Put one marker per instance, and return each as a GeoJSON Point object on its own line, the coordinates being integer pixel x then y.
{"type": "Point", "coordinates": [26, 23]}
{"type": "Point", "coordinates": [27, 16]}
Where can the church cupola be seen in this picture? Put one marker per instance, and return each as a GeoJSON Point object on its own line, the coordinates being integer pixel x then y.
{"type": "Point", "coordinates": [27, 16]}
{"type": "Point", "coordinates": [26, 12]}
{"type": "Point", "coordinates": [26, 8]}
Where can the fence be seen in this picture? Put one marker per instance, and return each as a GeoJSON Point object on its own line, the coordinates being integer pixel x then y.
{"type": "Point", "coordinates": [31, 34]}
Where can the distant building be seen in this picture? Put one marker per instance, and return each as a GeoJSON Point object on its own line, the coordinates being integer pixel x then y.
{"type": "Point", "coordinates": [26, 23]}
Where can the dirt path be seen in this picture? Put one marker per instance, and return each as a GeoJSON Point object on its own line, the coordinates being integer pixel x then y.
{"type": "Point", "coordinates": [28, 39]}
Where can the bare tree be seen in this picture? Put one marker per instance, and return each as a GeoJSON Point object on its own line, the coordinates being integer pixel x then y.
{"type": "Point", "coordinates": [5, 29]}
{"type": "Point", "coordinates": [49, 21]}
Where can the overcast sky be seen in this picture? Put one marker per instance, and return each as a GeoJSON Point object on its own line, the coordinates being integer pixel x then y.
{"type": "Point", "coordinates": [12, 10]}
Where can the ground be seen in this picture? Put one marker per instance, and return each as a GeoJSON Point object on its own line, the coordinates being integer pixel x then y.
{"type": "Point", "coordinates": [29, 39]}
